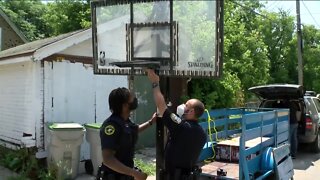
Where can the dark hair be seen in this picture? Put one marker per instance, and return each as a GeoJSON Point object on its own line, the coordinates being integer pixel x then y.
{"type": "Point", "coordinates": [117, 98]}
{"type": "Point", "coordinates": [198, 108]}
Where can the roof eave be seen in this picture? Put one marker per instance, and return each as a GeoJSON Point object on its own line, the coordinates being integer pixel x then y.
{"type": "Point", "coordinates": [17, 59]}
{"type": "Point", "coordinates": [61, 44]}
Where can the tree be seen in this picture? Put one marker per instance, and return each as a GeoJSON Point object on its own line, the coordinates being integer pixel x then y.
{"type": "Point", "coordinates": [245, 59]}
{"type": "Point", "coordinates": [277, 31]}
{"type": "Point", "coordinates": [311, 54]}
{"type": "Point", "coordinates": [38, 20]}
{"type": "Point", "coordinates": [223, 93]}
{"type": "Point", "coordinates": [260, 47]}
{"type": "Point", "coordinates": [28, 16]}
{"type": "Point", "coordinates": [65, 16]}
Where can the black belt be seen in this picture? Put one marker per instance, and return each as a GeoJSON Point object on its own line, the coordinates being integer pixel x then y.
{"type": "Point", "coordinates": [180, 174]}
{"type": "Point", "coordinates": [114, 177]}
{"type": "Point", "coordinates": [105, 175]}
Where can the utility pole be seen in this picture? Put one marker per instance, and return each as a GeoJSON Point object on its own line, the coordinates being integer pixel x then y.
{"type": "Point", "coordinates": [299, 43]}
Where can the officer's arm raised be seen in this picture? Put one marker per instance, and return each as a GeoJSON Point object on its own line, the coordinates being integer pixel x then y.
{"type": "Point", "coordinates": [158, 97]}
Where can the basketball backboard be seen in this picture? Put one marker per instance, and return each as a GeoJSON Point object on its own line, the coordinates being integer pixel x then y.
{"type": "Point", "coordinates": [178, 38]}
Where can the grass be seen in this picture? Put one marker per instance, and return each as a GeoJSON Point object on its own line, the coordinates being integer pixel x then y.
{"type": "Point", "coordinates": [26, 165]}
{"type": "Point", "coordinates": [146, 167]}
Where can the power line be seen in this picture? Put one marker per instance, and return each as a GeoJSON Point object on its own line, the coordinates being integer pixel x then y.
{"type": "Point", "coordinates": [259, 14]}
{"type": "Point", "coordinates": [248, 8]}
{"type": "Point", "coordinates": [275, 3]}
{"type": "Point", "coordinates": [310, 14]}
{"type": "Point", "coordinates": [275, 6]}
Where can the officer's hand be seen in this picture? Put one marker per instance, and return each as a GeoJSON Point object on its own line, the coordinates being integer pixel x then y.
{"type": "Point", "coordinates": [154, 118]}
{"type": "Point", "coordinates": [153, 77]}
{"type": "Point", "coordinates": [139, 175]}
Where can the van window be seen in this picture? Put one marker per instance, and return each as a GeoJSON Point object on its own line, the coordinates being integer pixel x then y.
{"type": "Point", "coordinates": [311, 108]}
{"type": "Point", "coordinates": [317, 103]}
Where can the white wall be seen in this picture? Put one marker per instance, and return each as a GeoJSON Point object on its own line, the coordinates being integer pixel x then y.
{"type": "Point", "coordinates": [20, 102]}
{"type": "Point", "coordinates": [82, 49]}
{"type": "Point", "coordinates": [77, 95]}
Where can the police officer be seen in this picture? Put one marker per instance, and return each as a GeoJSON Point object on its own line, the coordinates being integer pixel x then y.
{"type": "Point", "coordinates": [186, 137]}
{"type": "Point", "coordinates": [118, 138]}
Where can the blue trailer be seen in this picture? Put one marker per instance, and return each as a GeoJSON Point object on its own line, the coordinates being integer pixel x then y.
{"type": "Point", "coordinates": [263, 144]}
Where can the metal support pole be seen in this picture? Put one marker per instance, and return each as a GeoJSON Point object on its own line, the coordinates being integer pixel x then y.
{"type": "Point", "coordinates": [299, 43]}
{"type": "Point", "coordinates": [160, 136]}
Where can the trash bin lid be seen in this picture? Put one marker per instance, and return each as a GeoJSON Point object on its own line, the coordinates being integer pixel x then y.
{"type": "Point", "coordinates": [93, 125]}
{"type": "Point", "coordinates": [65, 126]}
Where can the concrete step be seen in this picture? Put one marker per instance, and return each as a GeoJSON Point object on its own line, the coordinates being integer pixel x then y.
{"type": "Point", "coordinates": [6, 173]}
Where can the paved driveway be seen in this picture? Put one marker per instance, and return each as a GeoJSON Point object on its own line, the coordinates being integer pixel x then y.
{"type": "Point", "coordinates": [307, 165]}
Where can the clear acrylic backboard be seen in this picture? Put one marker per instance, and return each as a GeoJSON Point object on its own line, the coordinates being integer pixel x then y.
{"type": "Point", "coordinates": [177, 38]}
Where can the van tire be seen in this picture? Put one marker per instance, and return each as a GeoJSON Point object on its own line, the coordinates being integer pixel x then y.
{"type": "Point", "coordinates": [316, 143]}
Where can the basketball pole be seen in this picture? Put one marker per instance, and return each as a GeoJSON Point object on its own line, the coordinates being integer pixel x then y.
{"type": "Point", "coordinates": [156, 48]}
{"type": "Point", "coordinates": [146, 41]}
{"type": "Point", "coordinates": [160, 135]}
{"type": "Point", "coordinates": [172, 89]}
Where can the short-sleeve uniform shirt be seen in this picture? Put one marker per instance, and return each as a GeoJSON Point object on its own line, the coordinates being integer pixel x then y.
{"type": "Point", "coordinates": [121, 136]}
{"type": "Point", "coordinates": [185, 142]}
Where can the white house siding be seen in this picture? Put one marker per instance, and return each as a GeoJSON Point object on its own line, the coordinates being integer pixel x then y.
{"type": "Point", "coordinates": [21, 103]}
{"type": "Point", "coordinates": [82, 49]}
{"type": "Point", "coordinates": [74, 94]}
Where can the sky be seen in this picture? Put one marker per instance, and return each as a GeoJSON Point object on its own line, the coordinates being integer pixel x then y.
{"type": "Point", "coordinates": [307, 7]}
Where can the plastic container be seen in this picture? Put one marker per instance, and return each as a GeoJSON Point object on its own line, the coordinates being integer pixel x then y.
{"type": "Point", "coordinates": [64, 142]}
{"type": "Point", "coordinates": [93, 138]}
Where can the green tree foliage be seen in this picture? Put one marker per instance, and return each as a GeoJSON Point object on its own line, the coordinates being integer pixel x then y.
{"type": "Point", "coordinates": [244, 50]}
{"type": "Point", "coordinates": [277, 31]}
{"type": "Point", "coordinates": [245, 59]}
{"type": "Point", "coordinates": [28, 16]}
{"type": "Point", "coordinates": [226, 92]}
{"type": "Point", "coordinates": [260, 47]}
{"type": "Point", "coordinates": [65, 16]}
{"type": "Point", "coordinates": [311, 55]}
{"type": "Point", "coordinates": [38, 20]}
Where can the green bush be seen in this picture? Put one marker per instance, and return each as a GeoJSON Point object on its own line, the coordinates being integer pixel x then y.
{"type": "Point", "coordinates": [24, 162]}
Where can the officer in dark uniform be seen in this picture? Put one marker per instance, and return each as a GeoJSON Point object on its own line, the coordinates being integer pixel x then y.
{"type": "Point", "coordinates": [118, 138]}
{"type": "Point", "coordinates": [186, 137]}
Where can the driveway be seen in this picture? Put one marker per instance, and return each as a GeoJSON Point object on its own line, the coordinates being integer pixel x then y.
{"type": "Point", "coordinates": [307, 165]}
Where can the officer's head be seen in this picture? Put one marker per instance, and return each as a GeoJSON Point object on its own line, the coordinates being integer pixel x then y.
{"type": "Point", "coordinates": [193, 109]}
{"type": "Point", "coordinates": [122, 101]}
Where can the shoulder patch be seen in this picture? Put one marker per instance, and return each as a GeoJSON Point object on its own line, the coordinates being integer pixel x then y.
{"type": "Point", "coordinates": [109, 130]}
{"type": "Point", "coordinates": [175, 118]}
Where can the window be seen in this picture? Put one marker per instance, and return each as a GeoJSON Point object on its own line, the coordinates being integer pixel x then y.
{"type": "Point", "coordinates": [317, 103]}
{"type": "Point", "coordinates": [311, 108]}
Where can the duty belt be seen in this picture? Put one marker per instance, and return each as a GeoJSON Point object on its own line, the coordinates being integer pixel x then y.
{"type": "Point", "coordinates": [103, 175]}
{"type": "Point", "coordinates": [180, 174]}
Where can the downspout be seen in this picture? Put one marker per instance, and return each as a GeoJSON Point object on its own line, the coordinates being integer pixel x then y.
{"type": "Point", "coordinates": [43, 106]}
{"type": "Point", "coordinates": [41, 151]}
